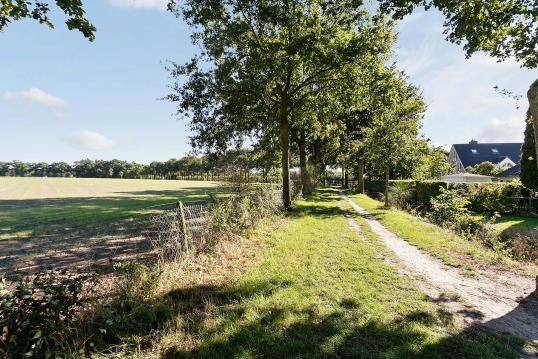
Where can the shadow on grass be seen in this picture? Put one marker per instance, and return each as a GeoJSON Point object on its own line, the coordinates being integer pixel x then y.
{"type": "Point", "coordinates": [46, 215]}
{"type": "Point", "coordinates": [81, 232]}
{"type": "Point", "coordinates": [219, 323]}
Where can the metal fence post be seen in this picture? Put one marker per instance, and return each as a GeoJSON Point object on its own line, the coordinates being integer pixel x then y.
{"type": "Point", "coordinates": [183, 226]}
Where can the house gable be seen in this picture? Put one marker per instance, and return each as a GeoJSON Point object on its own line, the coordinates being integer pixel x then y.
{"type": "Point", "coordinates": [473, 153]}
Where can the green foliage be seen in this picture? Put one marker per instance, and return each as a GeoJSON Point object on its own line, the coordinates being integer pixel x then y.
{"type": "Point", "coordinates": [426, 190]}
{"type": "Point", "coordinates": [269, 68]}
{"type": "Point", "coordinates": [449, 209]}
{"type": "Point", "coordinates": [39, 315]}
{"type": "Point", "coordinates": [140, 280]}
{"type": "Point", "coordinates": [432, 165]}
{"type": "Point", "coordinates": [402, 194]}
{"type": "Point", "coordinates": [486, 168]}
{"type": "Point", "coordinates": [493, 197]}
{"type": "Point", "coordinates": [529, 169]}
{"type": "Point", "coordinates": [501, 28]}
{"type": "Point", "coordinates": [482, 198]}
{"type": "Point", "coordinates": [245, 207]}
{"type": "Point", "coordinates": [13, 10]}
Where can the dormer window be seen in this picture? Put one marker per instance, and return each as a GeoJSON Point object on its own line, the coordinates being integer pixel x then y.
{"type": "Point", "coordinates": [474, 151]}
{"type": "Point", "coordinates": [495, 151]}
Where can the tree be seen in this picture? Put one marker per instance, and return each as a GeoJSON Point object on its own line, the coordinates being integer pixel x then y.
{"type": "Point", "coordinates": [13, 10]}
{"type": "Point", "coordinates": [499, 27]}
{"type": "Point", "coordinates": [529, 169]}
{"type": "Point", "coordinates": [486, 168]}
{"type": "Point", "coordinates": [265, 61]}
{"type": "Point", "coordinates": [432, 164]}
{"type": "Point", "coordinates": [395, 125]}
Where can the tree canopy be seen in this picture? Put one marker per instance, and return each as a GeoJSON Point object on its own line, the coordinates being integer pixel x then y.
{"type": "Point", "coordinates": [14, 10]}
{"type": "Point", "coordinates": [501, 28]}
{"type": "Point", "coordinates": [262, 63]}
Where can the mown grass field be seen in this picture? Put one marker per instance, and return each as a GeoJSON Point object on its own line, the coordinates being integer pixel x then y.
{"type": "Point", "coordinates": [303, 286]}
{"type": "Point", "coordinates": [33, 206]}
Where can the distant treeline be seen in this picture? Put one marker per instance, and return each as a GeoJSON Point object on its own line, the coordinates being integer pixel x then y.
{"type": "Point", "coordinates": [235, 163]}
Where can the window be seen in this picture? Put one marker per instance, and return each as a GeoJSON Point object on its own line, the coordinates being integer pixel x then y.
{"type": "Point", "coordinates": [474, 151]}
{"type": "Point", "coordinates": [494, 150]}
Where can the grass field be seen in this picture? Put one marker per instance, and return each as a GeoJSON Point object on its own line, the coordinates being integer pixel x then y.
{"type": "Point", "coordinates": [304, 286]}
{"type": "Point", "coordinates": [33, 206]}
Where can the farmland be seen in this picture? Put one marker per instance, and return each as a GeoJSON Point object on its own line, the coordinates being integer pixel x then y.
{"type": "Point", "coordinates": [64, 222]}
{"type": "Point", "coordinates": [32, 206]}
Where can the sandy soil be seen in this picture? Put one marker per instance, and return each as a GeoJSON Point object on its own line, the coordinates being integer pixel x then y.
{"type": "Point", "coordinates": [499, 300]}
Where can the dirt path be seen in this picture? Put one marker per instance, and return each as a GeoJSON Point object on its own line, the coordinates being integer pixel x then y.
{"type": "Point", "coordinates": [499, 300]}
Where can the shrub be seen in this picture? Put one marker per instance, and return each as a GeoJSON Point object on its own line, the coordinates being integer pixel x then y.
{"type": "Point", "coordinates": [525, 247]}
{"type": "Point", "coordinates": [449, 210]}
{"type": "Point", "coordinates": [493, 198]}
{"type": "Point", "coordinates": [426, 190]}
{"type": "Point", "coordinates": [402, 194]}
{"type": "Point", "coordinates": [243, 209]}
{"type": "Point", "coordinates": [39, 314]}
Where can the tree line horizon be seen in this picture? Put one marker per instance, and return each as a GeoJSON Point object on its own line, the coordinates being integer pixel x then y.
{"type": "Point", "coordinates": [428, 162]}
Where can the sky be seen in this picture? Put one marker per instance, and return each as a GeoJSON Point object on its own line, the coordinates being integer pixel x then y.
{"type": "Point", "coordinates": [63, 98]}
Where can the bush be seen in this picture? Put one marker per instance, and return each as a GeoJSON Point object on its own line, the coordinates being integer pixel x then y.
{"type": "Point", "coordinates": [402, 194]}
{"type": "Point", "coordinates": [426, 190]}
{"type": "Point", "coordinates": [39, 313]}
{"type": "Point", "coordinates": [525, 247]}
{"type": "Point", "coordinates": [449, 210]}
{"type": "Point", "coordinates": [243, 209]}
{"type": "Point", "coordinates": [493, 198]}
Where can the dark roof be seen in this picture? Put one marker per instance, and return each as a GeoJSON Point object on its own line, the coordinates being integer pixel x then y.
{"type": "Point", "coordinates": [486, 152]}
{"type": "Point", "coordinates": [511, 172]}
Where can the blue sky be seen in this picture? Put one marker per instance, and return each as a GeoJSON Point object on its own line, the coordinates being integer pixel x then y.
{"type": "Point", "coordinates": [63, 98]}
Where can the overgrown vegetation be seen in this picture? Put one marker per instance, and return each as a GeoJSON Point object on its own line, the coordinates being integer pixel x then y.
{"type": "Point", "coordinates": [40, 314]}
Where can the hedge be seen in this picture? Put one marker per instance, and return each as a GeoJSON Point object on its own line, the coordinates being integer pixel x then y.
{"type": "Point", "coordinates": [483, 197]}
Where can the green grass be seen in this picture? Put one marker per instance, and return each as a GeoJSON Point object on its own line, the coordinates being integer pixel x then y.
{"type": "Point", "coordinates": [444, 244]}
{"type": "Point", "coordinates": [514, 223]}
{"type": "Point", "coordinates": [34, 206]}
{"type": "Point", "coordinates": [314, 289]}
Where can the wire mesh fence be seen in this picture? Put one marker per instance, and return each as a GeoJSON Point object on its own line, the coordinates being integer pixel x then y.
{"type": "Point", "coordinates": [176, 232]}
{"type": "Point", "coordinates": [100, 243]}
{"type": "Point", "coordinates": [167, 231]}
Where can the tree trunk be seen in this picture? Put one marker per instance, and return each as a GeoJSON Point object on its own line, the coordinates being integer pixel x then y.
{"type": "Point", "coordinates": [305, 176]}
{"type": "Point", "coordinates": [532, 95]}
{"type": "Point", "coordinates": [285, 160]}
{"type": "Point", "coordinates": [387, 177]}
{"type": "Point", "coordinates": [346, 178]}
{"type": "Point", "coordinates": [360, 175]}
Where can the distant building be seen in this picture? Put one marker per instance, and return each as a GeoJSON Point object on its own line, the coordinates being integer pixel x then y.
{"type": "Point", "coordinates": [504, 155]}
{"type": "Point", "coordinates": [466, 178]}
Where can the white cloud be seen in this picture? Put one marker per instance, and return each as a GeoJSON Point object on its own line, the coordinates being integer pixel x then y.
{"type": "Point", "coordinates": [89, 140]}
{"type": "Point", "coordinates": [410, 19]}
{"type": "Point", "coordinates": [142, 4]}
{"type": "Point", "coordinates": [34, 95]}
{"type": "Point", "coordinates": [497, 130]}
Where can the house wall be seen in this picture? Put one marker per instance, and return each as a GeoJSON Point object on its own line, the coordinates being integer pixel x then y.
{"type": "Point", "coordinates": [454, 159]}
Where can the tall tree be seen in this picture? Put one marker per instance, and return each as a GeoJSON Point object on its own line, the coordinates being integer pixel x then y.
{"type": "Point", "coordinates": [263, 61]}
{"type": "Point", "coordinates": [395, 124]}
{"type": "Point", "coordinates": [13, 10]}
{"type": "Point", "coordinates": [432, 164]}
{"type": "Point", "coordinates": [529, 170]}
